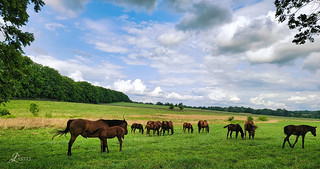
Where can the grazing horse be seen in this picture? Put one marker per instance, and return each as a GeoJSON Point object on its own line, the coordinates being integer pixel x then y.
{"type": "Point", "coordinates": [135, 126]}
{"type": "Point", "coordinates": [88, 128]}
{"type": "Point", "coordinates": [110, 132]}
{"type": "Point", "coordinates": [234, 127]}
{"type": "Point", "coordinates": [152, 126]}
{"type": "Point", "coordinates": [187, 126]}
{"type": "Point", "coordinates": [166, 126]}
{"type": "Point", "coordinates": [297, 130]}
{"type": "Point", "coordinates": [203, 124]}
{"type": "Point", "coordinates": [251, 128]}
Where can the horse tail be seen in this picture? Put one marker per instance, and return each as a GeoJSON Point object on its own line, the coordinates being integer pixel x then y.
{"type": "Point", "coordinates": [61, 132]}
{"type": "Point", "coordinates": [226, 126]}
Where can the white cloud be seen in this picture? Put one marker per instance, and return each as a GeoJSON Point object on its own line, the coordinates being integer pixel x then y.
{"type": "Point", "coordinates": [312, 62]}
{"type": "Point", "coordinates": [139, 5]}
{"type": "Point", "coordinates": [171, 38]}
{"type": "Point", "coordinates": [54, 26]}
{"type": "Point", "coordinates": [178, 96]}
{"type": "Point", "coordinates": [109, 48]}
{"type": "Point", "coordinates": [76, 76]}
{"type": "Point", "coordinates": [136, 87]}
{"type": "Point", "coordinates": [266, 100]}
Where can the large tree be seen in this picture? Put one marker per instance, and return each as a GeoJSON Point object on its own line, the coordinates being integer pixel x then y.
{"type": "Point", "coordinates": [301, 17]}
{"type": "Point", "coordinates": [13, 65]}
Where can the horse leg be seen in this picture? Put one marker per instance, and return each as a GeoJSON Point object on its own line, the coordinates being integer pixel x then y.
{"type": "Point", "coordinates": [106, 144]}
{"type": "Point", "coordinates": [285, 140]}
{"type": "Point", "coordinates": [231, 134]}
{"type": "Point", "coordinates": [303, 141]}
{"type": "Point", "coordinates": [237, 132]}
{"type": "Point", "coordinates": [120, 142]}
{"type": "Point", "coordinates": [228, 133]}
{"type": "Point", "coordinates": [295, 141]}
{"type": "Point", "coordinates": [72, 139]}
{"type": "Point", "coordinates": [103, 145]}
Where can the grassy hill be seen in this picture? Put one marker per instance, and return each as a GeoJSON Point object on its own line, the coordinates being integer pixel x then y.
{"type": "Point", "coordinates": [31, 138]}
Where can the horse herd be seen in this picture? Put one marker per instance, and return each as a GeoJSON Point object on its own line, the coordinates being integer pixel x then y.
{"type": "Point", "coordinates": [104, 129]}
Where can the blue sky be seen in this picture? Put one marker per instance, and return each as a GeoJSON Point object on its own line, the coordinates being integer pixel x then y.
{"type": "Point", "coordinates": [198, 52]}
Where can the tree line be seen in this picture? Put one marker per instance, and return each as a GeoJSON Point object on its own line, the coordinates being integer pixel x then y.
{"type": "Point", "coordinates": [46, 83]}
{"type": "Point", "coordinates": [265, 111]}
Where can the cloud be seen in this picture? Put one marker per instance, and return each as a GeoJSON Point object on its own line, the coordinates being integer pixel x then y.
{"type": "Point", "coordinates": [68, 8]}
{"type": "Point", "coordinates": [136, 87]}
{"type": "Point", "coordinates": [148, 5]}
{"type": "Point", "coordinates": [203, 15]}
{"type": "Point", "coordinates": [266, 100]}
{"type": "Point", "coordinates": [79, 71]}
{"type": "Point", "coordinates": [171, 38]}
{"type": "Point", "coordinates": [109, 47]}
{"type": "Point", "coordinates": [177, 96]}
{"type": "Point", "coordinates": [312, 62]}
{"type": "Point", "coordinates": [54, 26]}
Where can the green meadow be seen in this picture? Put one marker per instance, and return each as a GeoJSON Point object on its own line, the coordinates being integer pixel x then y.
{"type": "Point", "coordinates": [32, 140]}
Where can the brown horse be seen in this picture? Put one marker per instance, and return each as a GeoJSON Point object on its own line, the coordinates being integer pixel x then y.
{"type": "Point", "coordinates": [187, 126]}
{"type": "Point", "coordinates": [166, 126]}
{"type": "Point", "coordinates": [234, 127]}
{"type": "Point", "coordinates": [153, 127]}
{"type": "Point", "coordinates": [203, 124]}
{"type": "Point", "coordinates": [135, 126]}
{"type": "Point", "coordinates": [88, 128]}
{"type": "Point", "coordinates": [297, 130]}
{"type": "Point", "coordinates": [110, 132]}
{"type": "Point", "coordinates": [251, 128]}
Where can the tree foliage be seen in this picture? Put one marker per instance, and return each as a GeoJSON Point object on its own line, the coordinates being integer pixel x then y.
{"type": "Point", "coordinates": [47, 83]}
{"type": "Point", "coordinates": [305, 22]}
{"type": "Point", "coordinates": [14, 66]}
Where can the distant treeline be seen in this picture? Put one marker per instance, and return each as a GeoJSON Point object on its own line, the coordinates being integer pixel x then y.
{"type": "Point", "coordinates": [47, 83]}
{"type": "Point", "coordinates": [277, 112]}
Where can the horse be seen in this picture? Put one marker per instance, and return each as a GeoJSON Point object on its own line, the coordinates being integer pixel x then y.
{"type": "Point", "coordinates": [88, 128]}
{"type": "Point", "coordinates": [251, 128]}
{"type": "Point", "coordinates": [234, 127]}
{"type": "Point", "coordinates": [153, 127]}
{"type": "Point", "coordinates": [135, 126]}
{"type": "Point", "coordinates": [187, 126]}
{"type": "Point", "coordinates": [166, 126]}
{"type": "Point", "coordinates": [110, 132]}
{"type": "Point", "coordinates": [301, 130]}
{"type": "Point", "coordinates": [202, 125]}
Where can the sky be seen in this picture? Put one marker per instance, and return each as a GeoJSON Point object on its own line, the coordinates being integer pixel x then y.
{"type": "Point", "coordinates": [195, 52]}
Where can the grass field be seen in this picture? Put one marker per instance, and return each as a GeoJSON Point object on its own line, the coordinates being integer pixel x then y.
{"type": "Point", "coordinates": [30, 137]}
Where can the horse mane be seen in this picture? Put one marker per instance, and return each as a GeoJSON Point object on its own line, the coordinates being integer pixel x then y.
{"type": "Point", "coordinates": [111, 123]}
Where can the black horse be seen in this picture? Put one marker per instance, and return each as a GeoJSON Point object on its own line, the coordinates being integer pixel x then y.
{"type": "Point", "coordinates": [301, 130]}
{"type": "Point", "coordinates": [234, 127]}
{"type": "Point", "coordinates": [135, 126]}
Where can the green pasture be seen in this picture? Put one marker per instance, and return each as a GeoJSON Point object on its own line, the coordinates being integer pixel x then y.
{"type": "Point", "coordinates": [204, 150]}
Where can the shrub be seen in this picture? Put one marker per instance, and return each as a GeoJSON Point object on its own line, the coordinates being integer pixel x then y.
{"type": "Point", "coordinates": [249, 118]}
{"type": "Point", "coordinates": [34, 109]}
{"type": "Point", "coordinates": [263, 118]}
{"type": "Point", "coordinates": [171, 106]}
{"type": "Point", "coordinates": [4, 112]}
{"type": "Point", "coordinates": [230, 118]}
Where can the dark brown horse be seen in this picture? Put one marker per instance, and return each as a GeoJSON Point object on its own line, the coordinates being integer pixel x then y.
{"type": "Point", "coordinates": [251, 128]}
{"type": "Point", "coordinates": [110, 132]}
{"type": "Point", "coordinates": [203, 125]}
{"type": "Point", "coordinates": [88, 128]}
{"type": "Point", "coordinates": [187, 126]}
{"type": "Point", "coordinates": [166, 126]}
{"type": "Point", "coordinates": [152, 126]}
{"type": "Point", "coordinates": [234, 127]}
{"type": "Point", "coordinates": [135, 126]}
{"type": "Point", "coordinates": [301, 130]}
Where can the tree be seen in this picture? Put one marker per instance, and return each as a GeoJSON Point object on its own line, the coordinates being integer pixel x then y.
{"type": "Point", "coordinates": [34, 109]}
{"type": "Point", "coordinates": [181, 106]}
{"type": "Point", "coordinates": [13, 66]}
{"type": "Point", "coordinates": [171, 106]}
{"type": "Point", "coordinates": [306, 23]}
